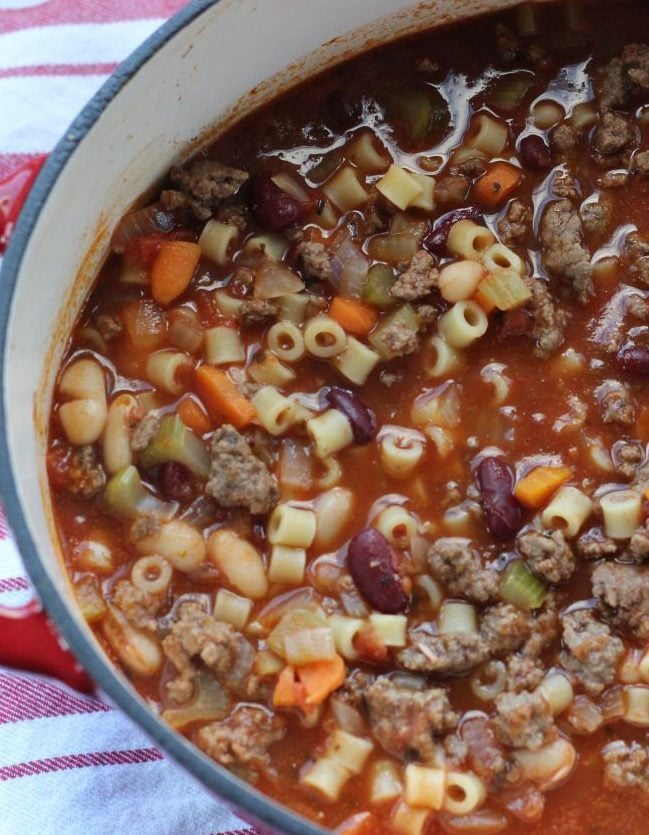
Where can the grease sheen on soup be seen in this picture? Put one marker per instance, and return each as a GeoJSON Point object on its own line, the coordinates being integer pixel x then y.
{"type": "Point", "coordinates": [348, 450]}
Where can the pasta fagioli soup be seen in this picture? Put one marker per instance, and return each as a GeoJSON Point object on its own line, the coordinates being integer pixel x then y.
{"type": "Point", "coordinates": [348, 451]}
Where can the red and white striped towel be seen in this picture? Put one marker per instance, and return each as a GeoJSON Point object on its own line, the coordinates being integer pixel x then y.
{"type": "Point", "coordinates": [70, 763]}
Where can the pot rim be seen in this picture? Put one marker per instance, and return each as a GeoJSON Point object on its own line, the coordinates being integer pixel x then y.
{"type": "Point", "coordinates": [229, 787]}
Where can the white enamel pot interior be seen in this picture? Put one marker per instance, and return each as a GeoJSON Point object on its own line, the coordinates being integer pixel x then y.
{"type": "Point", "coordinates": [211, 63]}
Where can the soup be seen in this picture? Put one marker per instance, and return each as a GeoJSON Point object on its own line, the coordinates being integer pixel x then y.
{"type": "Point", "coordinates": [348, 450]}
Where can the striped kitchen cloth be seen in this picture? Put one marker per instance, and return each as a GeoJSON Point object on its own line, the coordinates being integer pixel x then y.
{"type": "Point", "coordinates": [71, 764]}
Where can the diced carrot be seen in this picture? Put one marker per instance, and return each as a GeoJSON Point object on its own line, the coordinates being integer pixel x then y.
{"type": "Point", "coordinates": [486, 304]}
{"type": "Point", "coordinates": [320, 678]}
{"type": "Point", "coordinates": [646, 494]}
{"type": "Point", "coordinates": [538, 485]}
{"type": "Point", "coordinates": [145, 326]}
{"type": "Point", "coordinates": [193, 416]}
{"type": "Point", "coordinates": [222, 398]}
{"type": "Point", "coordinates": [173, 270]}
{"type": "Point", "coordinates": [364, 823]}
{"type": "Point", "coordinates": [289, 692]}
{"type": "Point", "coordinates": [353, 316]}
{"type": "Point", "coordinates": [496, 184]}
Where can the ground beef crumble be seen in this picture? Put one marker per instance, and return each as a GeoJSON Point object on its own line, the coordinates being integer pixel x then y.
{"type": "Point", "coordinates": [197, 637]}
{"type": "Point", "coordinates": [315, 260]}
{"type": "Point", "coordinates": [591, 650]}
{"type": "Point", "coordinates": [514, 225]}
{"type": "Point", "coordinates": [622, 592]}
{"type": "Point", "coordinates": [238, 478]}
{"type": "Point", "coordinates": [593, 545]}
{"type": "Point", "coordinates": [505, 628]}
{"type": "Point", "coordinates": [452, 652]}
{"type": "Point", "coordinates": [459, 565]}
{"type": "Point", "coordinates": [615, 403]}
{"type": "Point", "coordinates": [564, 253]}
{"type": "Point", "coordinates": [144, 432]}
{"type": "Point", "coordinates": [626, 765]}
{"type": "Point", "coordinates": [201, 186]}
{"type": "Point", "coordinates": [623, 77]}
{"type": "Point", "coordinates": [547, 554]}
{"type": "Point", "coordinates": [241, 742]}
{"type": "Point", "coordinates": [548, 321]}
{"type": "Point", "coordinates": [406, 721]}
{"type": "Point", "coordinates": [79, 471]}
{"type": "Point", "coordinates": [523, 673]}
{"type": "Point", "coordinates": [419, 278]}
{"type": "Point", "coordinates": [523, 720]}
{"type": "Point", "coordinates": [140, 607]}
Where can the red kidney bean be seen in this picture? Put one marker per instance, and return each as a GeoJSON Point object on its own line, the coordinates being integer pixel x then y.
{"type": "Point", "coordinates": [501, 508]}
{"type": "Point", "coordinates": [534, 152]}
{"type": "Point", "coordinates": [435, 240]}
{"type": "Point", "coordinates": [373, 566]}
{"type": "Point", "coordinates": [634, 358]}
{"type": "Point", "coordinates": [273, 208]}
{"type": "Point", "coordinates": [361, 417]}
{"type": "Point", "coordinates": [177, 483]}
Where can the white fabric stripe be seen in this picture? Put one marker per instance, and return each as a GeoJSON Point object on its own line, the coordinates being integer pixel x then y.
{"type": "Point", "coordinates": [86, 43]}
{"type": "Point", "coordinates": [56, 100]}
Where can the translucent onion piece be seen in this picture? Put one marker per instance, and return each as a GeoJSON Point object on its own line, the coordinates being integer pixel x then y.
{"type": "Point", "coordinates": [349, 270]}
{"type": "Point", "coordinates": [150, 220]}
{"type": "Point", "coordinates": [273, 280]}
{"type": "Point", "coordinates": [210, 703]}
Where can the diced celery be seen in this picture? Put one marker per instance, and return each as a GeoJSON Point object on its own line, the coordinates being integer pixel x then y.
{"type": "Point", "coordinates": [175, 442]}
{"type": "Point", "coordinates": [292, 622]}
{"type": "Point", "coordinates": [126, 497]}
{"type": "Point", "coordinates": [505, 289]}
{"type": "Point", "coordinates": [405, 317]}
{"type": "Point", "coordinates": [522, 588]}
{"type": "Point", "coordinates": [507, 92]}
{"type": "Point", "coordinates": [376, 289]}
{"type": "Point", "coordinates": [422, 111]}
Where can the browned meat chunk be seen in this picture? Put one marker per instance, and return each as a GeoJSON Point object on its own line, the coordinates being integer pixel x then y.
{"type": "Point", "coordinates": [508, 46]}
{"type": "Point", "coordinates": [238, 478]}
{"type": "Point", "coordinates": [399, 339]}
{"type": "Point", "coordinates": [514, 225]}
{"type": "Point", "coordinates": [523, 720]}
{"type": "Point", "coordinates": [565, 185]}
{"type": "Point", "coordinates": [254, 311]}
{"type": "Point", "coordinates": [505, 628]}
{"type": "Point", "coordinates": [77, 471]}
{"type": "Point", "coordinates": [627, 457]}
{"type": "Point", "coordinates": [523, 673]}
{"type": "Point", "coordinates": [564, 138]}
{"type": "Point", "coordinates": [201, 186]}
{"type": "Point", "coordinates": [418, 279]}
{"type": "Point", "coordinates": [623, 595]}
{"type": "Point", "coordinates": [636, 253]}
{"type": "Point", "coordinates": [242, 741]}
{"type": "Point", "coordinates": [456, 563]}
{"type": "Point", "coordinates": [626, 765]}
{"type": "Point", "coordinates": [638, 548]}
{"type": "Point", "coordinates": [453, 652]}
{"type": "Point", "coordinates": [641, 162]}
{"type": "Point", "coordinates": [452, 189]}
{"type": "Point", "coordinates": [548, 321]}
{"type": "Point", "coordinates": [564, 253]}
{"type": "Point", "coordinates": [593, 545]}
{"type": "Point", "coordinates": [315, 259]}
{"type": "Point", "coordinates": [624, 77]}
{"type": "Point", "coordinates": [144, 432]}
{"type": "Point", "coordinates": [596, 217]}
{"type": "Point", "coordinates": [544, 627]}
{"type": "Point", "coordinates": [613, 134]}
{"type": "Point", "coordinates": [591, 651]}
{"type": "Point", "coordinates": [198, 637]}
{"type": "Point", "coordinates": [547, 554]}
{"type": "Point", "coordinates": [234, 213]}
{"type": "Point", "coordinates": [407, 721]}
{"type": "Point", "coordinates": [615, 402]}
{"type": "Point", "coordinates": [354, 689]}
{"type": "Point", "coordinates": [140, 607]}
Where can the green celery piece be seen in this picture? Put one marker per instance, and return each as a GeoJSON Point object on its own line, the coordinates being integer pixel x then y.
{"type": "Point", "coordinates": [376, 289]}
{"type": "Point", "coordinates": [175, 442]}
{"type": "Point", "coordinates": [406, 316]}
{"type": "Point", "coordinates": [421, 110]}
{"type": "Point", "coordinates": [506, 93]}
{"type": "Point", "coordinates": [522, 588]}
{"type": "Point", "coordinates": [126, 497]}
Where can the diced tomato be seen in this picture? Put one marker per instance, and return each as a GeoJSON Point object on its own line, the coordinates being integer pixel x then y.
{"type": "Point", "coordinates": [143, 251]}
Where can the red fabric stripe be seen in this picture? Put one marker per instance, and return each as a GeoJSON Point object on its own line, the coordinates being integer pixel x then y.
{"type": "Point", "coordinates": [30, 769]}
{"type": "Point", "coordinates": [8, 164]}
{"type": "Point", "coordinates": [14, 584]}
{"type": "Point", "coordinates": [4, 530]}
{"type": "Point", "coordinates": [86, 11]}
{"type": "Point", "coordinates": [59, 69]}
{"type": "Point", "coordinates": [22, 699]}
